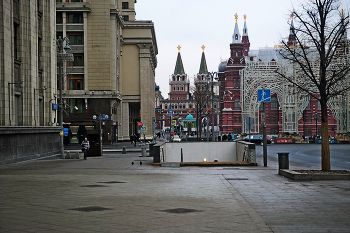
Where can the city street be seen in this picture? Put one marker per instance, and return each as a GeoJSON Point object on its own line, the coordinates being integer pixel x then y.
{"type": "Point", "coordinates": [109, 194]}
{"type": "Point", "coordinates": [310, 154]}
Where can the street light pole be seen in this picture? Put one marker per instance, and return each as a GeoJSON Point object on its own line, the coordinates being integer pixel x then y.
{"type": "Point", "coordinates": [61, 58]}
{"type": "Point", "coordinates": [211, 75]}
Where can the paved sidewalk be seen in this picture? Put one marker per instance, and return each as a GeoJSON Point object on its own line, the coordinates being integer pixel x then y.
{"type": "Point", "coordinates": [108, 194]}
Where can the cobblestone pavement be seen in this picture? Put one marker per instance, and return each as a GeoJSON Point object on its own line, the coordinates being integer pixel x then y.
{"type": "Point", "coordinates": [109, 194]}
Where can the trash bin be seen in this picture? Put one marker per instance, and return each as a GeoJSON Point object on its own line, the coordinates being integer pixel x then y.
{"type": "Point", "coordinates": [283, 160]}
{"type": "Point", "coordinates": [151, 145]}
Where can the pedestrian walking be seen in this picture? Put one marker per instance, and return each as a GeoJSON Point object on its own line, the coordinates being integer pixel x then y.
{"type": "Point", "coordinates": [135, 139]}
{"type": "Point", "coordinates": [86, 146]}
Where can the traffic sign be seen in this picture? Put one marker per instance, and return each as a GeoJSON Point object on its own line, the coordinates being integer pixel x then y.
{"type": "Point", "coordinates": [170, 112]}
{"type": "Point", "coordinates": [144, 128]}
{"type": "Point", "coordinates": [155, 126]}
{"type": "Point", "coordinates": [264, 95]}
{"type": "Point", "coordinates": [140, 123]}
{"type": "Point", "coordinates": [174, 122]}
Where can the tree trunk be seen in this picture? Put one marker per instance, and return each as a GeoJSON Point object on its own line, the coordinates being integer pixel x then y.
{"type": "Point", "coordinates": [325, 153]}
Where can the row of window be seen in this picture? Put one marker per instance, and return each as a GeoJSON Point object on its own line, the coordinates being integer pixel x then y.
{"type": "Point", "coordinates": [71, 17]}
{"type": "Point", "coordinates": [179, 88]}
{"type": "Point", "coordinates": [178, 98]}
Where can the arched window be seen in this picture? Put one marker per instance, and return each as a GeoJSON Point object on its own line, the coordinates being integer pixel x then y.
{"type": "Point", "coordinates": [273, 103]}
{"type": "Point", "coordinates": [319, 103]}
{"type": "Point", "coordinates": [237, 104]}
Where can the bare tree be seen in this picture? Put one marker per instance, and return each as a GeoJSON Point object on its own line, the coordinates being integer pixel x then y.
{"type": "Point", "coordinates": [321, 56]}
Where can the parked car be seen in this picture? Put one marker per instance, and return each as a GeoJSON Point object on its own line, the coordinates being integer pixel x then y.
{"type": "Point", "coordinates": [257, 139]}
{"type": "Point", "coordinates": [176, 138]}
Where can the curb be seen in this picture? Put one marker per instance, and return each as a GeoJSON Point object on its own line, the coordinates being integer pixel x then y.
{"type": "Point", "coordinates": [304, 176]}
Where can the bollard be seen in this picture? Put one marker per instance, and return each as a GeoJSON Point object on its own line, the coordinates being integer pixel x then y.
{"type": "Point", "coordinates": [182, 156]}
{"type": "Point", "coordinates": [67, 155]}
{"type": "Point", "coordinates": [283, 160]}
{"type": "Point", "coordinates": [124, 150]}
{"type": "Point", "coordinates": [143, 152]}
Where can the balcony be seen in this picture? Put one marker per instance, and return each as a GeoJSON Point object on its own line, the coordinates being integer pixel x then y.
{"type": "Point", "coordinates": [75, 27]}
{"type": "Point", "coordinates": [76, 69]}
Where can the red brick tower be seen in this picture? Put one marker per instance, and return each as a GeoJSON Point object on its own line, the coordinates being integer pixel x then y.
{"type": "Point", "coordinates": [231, 112]}
{"type": "Point", "coordinates": [245, 38]}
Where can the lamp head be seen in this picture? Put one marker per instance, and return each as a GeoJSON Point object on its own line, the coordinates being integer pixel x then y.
{"type": "Point", "coordinates": [45, 87]}
{"type": "Point", "coordinates": [67, 48]}
{"type": "Point", "coordinates": [94, 117]}
{"type": "Point", "coordinates": [22, 80]}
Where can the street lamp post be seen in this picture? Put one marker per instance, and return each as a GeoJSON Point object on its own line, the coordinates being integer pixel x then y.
{"type": "Point", "coordinates": [316, 118]}
{"type": "Point", "coordinates": [212, 75]}
{"type": "Point", "coordinates": [61, 57]}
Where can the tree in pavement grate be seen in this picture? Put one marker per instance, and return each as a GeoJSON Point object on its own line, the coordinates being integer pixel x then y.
{"type": "Point", "coordinates": [91, 209]}
{"type": "Point", "coordinates": [181, 211]}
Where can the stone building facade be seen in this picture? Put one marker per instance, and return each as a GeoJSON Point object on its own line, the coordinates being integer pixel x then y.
{"type": "Point", "coordinates": [27, 80]}
{"type": "Point", "coordinates": [113, 72]}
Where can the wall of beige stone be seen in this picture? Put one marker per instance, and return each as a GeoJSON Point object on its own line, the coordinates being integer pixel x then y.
{"type": "Point", "coordinates": [99, 46]}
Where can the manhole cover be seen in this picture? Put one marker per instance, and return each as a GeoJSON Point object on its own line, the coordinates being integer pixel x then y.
{"type": "Point", "coordinates": [237, 179]}
{"type": "Point", "coordinates": [93, 186]}
{"type": "Point", "coordinates": [91, 209]}
{"type": "Point", "coordinates": [111, 182]}
{"type": "Point", "coordinates": [181, 211]}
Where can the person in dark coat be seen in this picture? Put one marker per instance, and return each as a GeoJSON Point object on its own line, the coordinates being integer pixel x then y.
{"type": "Point", "coordinates": [135, 139]}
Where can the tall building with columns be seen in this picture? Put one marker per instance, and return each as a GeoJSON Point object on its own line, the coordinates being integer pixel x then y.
{"type": "Point", "coordinates": [27, 80]}
{"type": "Point", "coordinates": [113, 72]}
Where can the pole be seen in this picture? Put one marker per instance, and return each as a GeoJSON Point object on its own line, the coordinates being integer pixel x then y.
{"type": "Point", "coordinates": [212, 109]}
{"type": "Point", "coordinates": [207, 111]}
{"type": "Point", "coordinates": [264, 137]}
{"type": "Point", "coordinates": [60, 51]}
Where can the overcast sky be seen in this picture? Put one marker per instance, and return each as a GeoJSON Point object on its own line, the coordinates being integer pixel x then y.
{"type": "Point", "coordinates": [193, 23]}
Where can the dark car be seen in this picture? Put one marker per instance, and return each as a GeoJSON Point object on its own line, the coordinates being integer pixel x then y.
{"type": "Point", "coordinates": [257, 139]}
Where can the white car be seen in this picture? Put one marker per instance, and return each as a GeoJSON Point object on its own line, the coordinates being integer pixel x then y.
{"type": "Point", "coordinates": [176, 138]}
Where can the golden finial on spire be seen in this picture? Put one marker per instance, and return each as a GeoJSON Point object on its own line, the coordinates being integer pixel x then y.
{"type": "Point", "coordinates": [245, 17]}
{"type": "Point", "coordinates": [179, 47]}
{"type": "Point", "coordinates": [292, 15]}
{"type": "Point", "coordinates": [236, 17]}
{"type": "Point", "coordinates": [342, 14]}
{"type": "Point", "coordinates": [203, 47]}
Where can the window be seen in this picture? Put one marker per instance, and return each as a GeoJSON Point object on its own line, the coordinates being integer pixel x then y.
{"type": "Point", "coordinates": [78, 60]}
{"type": "Point", "coordinates": [76, 83]}
{"type": "Point", "coordinates": [178, 98]}
{"type": "Point", "coordinates": [239, 83]}
{"type": "Point", "coordinates": [172, 98]}
{"type": "Point", "coordinates": [125, 5]}
{"type": "Point", "coordinates": [75, 39]}
{"type": "Point", "coordinates": [319, 103]}
{"type": "Point", "coordinates": [183, 98]}
{"type": "Point", "coordinates": [165, 106]}
{"type": "Point", "coordinates": [15, 40]}
{"type": "Point", "coordinates": [74, 17]}
{"type": "Point", "coordinates": [237, 104]}
{"type": "Point", "coordinates": [261, 107]}
{"type": "Point", "coordinates": [273, 103]}
{"type": "Point", "coordinates": [76, 105]}
{"type": "Point", "coordinates": [59, 17]}
{"type": "Point", "coordinates": [234, 83]}
{"type": "Point", "coordinates": [126, 17]}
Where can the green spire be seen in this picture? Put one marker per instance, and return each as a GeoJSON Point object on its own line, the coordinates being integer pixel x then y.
{"type": "Point", "coordinates": [203, 67]}
{"type": "Point", "coordinates": [179, 68]}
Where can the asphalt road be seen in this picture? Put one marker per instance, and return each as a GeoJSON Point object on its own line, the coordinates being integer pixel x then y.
{"type": "Point", "coordinates": [310, 154]}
